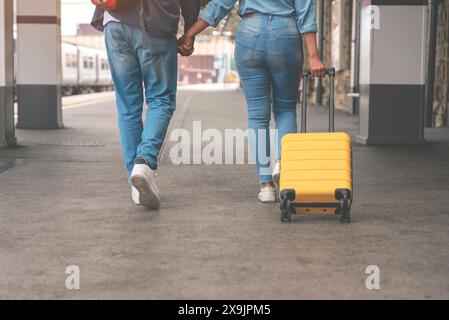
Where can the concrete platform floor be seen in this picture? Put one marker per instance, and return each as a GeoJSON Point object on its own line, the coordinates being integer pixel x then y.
{"type": "Point", "coordinates": [64, 201]}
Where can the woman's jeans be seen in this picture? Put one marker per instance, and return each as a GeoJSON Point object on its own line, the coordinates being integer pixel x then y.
{"type": "Point", "coordinates": [269, 58]}
{"type": "Point", "coordinates": [135, 68]}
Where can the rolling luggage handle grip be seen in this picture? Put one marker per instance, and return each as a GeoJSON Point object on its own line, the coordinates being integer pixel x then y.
{"type": "Point", "coordinates": [306, 74]}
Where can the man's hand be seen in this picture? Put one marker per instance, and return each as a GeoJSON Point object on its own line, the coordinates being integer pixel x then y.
{"type": "Point", "coordinates": [186, 42]}
{"type": "Point", "coordinates": [186, 45]}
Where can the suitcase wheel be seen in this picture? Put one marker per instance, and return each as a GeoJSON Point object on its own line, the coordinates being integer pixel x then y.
{"type": "Point", "coordinates": [286, 208]}
{"type": "Point", "coordinates": [286, 215]}
{"type": "Point", "coordinates": [345, 209]}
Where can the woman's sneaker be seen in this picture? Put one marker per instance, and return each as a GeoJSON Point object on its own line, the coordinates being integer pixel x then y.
{"type": "Point", "coordinates": [267, 194]}
{"type": "Point", "coordinates": [143, 178]}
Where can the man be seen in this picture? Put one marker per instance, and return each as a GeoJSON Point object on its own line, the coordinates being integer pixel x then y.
{"type": "Point", "coordinates": [141, 43]}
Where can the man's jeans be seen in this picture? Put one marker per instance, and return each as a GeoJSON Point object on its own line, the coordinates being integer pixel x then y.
{"type": "Point", "coordinates": [134, 69]}
{"type": "Point", "coordinates": [269, 59]}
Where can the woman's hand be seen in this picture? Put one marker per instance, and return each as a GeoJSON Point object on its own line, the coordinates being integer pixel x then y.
{"type": "Point", "coordinates": [186, 45]}
{"type": "Point", "coordinates": [316, 66]}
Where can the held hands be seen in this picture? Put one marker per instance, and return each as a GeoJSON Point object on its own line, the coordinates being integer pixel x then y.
{"type": "Point", "coordinates": [187, 41]}
{"type": "Point", "coordinates": [186, 45]}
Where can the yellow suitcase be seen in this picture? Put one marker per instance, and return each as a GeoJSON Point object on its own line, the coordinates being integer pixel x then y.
{"type": "Point", "coordinates": [316, 168]}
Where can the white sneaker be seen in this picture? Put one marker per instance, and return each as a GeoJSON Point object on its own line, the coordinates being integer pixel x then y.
{"type": "Point", "coordinates": [135, 195]}
{"type": "Point", "coordinates": [267, 194]}
{"type": "Point", "coordinates": [143, 178]}
{"type": "Point", "coordinates": [277, 173]}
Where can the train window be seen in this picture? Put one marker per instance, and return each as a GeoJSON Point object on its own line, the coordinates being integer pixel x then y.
{"type": "Point", "coordinates": [70, 60]}
{"type": "Point", "coordinates": [104, 64]}
{"type": "Point", "coordinates": [88, 62]}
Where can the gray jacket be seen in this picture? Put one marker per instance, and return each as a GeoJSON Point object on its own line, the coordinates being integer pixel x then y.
{"type": "Point", "coordinates": [157, 17]}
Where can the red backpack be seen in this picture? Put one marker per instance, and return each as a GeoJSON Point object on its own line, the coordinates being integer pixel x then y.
{"type": "Point", "coordinates": [109, 4]}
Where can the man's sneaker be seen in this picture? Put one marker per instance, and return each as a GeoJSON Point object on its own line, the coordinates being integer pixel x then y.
{"type": "Point", "coordinates": [135, 195]}
{"type": "Point", "coordinates": [267, 194]}
{"type": "Point", "coordinates": [277, 173]}
{"type": "Point", "coordinates": [143, 178]}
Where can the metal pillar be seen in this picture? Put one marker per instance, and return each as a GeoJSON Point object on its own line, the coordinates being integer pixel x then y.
{"type": "Point", "coordinates": [39, 64]}
{"type": "Point", "coordinates": [392, 71]}
{"type": "Point", "coordinates": [7, 134]}
{"type": "Point", "coordinates": [431, 59]}
{"type": "Point", "coordinates": [355, 57]}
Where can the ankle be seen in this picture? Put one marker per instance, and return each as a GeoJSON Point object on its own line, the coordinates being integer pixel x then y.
{"type": "Point", "coordinates": [267, 184]}
{"type": "Point", "coordinates": [141, 160]}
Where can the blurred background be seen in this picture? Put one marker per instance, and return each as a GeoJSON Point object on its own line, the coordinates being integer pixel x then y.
{"type": "Point", "coordinates": [213, 61]}
{"type": "Point", "coordinates": [85, 67]}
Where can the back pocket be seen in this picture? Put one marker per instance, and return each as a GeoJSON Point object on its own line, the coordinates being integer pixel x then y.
{"type": "Point", "coordinates": [245, 45]}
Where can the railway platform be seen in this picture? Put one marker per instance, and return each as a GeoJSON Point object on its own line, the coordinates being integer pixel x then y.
{"type": "Point", "coordinates": [64, 202]}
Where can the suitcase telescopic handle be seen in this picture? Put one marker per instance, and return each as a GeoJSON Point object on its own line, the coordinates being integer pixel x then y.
{"type": "Point", "coordinates": [306, 74]}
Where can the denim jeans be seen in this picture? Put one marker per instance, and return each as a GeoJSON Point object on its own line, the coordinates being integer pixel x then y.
{"type": "Point", "coordinates": [139, 73]}
{"type": "Point", "coordinates": [269, 59]}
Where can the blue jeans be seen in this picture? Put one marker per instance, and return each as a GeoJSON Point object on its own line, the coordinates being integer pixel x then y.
{"type": "Point", "coordinates": [269, 58]}
{"type": "Point", "coordinates": [138, 71]}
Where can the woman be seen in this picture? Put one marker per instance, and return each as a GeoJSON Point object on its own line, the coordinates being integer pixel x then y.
{"type": "Point", "coordinates": [269, 59]}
